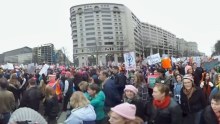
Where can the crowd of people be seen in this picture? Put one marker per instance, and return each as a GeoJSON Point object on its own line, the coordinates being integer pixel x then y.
{"type": "Point", "coordinates": [181, 94]}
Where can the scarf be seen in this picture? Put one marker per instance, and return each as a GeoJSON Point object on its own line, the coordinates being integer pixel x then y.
{"type": "Point", "coordinates": [189, 92]}
{"type": "Point", "coordinates": [161, 104]}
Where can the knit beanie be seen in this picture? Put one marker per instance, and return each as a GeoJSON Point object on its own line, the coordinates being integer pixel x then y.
{"type": "Point", "coordinates": [187, 76]}
{"type": "Point", "coordinates": [125, 110]}
{"type": "Point", "coordinates": [131, 88]}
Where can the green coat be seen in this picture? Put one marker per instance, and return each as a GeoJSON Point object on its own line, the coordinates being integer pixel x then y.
{"type": "Point", "coordinates": [98, 103]}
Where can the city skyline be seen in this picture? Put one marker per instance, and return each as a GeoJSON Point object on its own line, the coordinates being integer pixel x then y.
{"type": "Point", "coordinates": [34, 23]}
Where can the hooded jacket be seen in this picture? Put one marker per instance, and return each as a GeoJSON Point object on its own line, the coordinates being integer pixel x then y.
{"type": "Point", "coordinates": [82, 115]}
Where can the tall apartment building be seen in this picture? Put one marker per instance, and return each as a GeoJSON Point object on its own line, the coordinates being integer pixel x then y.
{"type": "Point", "coordinates": [102, 32]}
{"type": "Point", "coordinates": [158, 40]}
{"type": "Point", "coordinates": [44, 54]}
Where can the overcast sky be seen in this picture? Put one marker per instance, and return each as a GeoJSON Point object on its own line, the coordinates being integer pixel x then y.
{"type": "Point", "coordinates": [35, 22]}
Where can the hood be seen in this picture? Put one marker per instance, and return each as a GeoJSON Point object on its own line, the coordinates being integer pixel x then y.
{"type": "Point", "coordinates": [86, 113]}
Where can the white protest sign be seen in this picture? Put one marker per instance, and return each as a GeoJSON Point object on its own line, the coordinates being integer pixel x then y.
{"type": "Point", "coordinates": [197, 59]}
{"type": "Point", "coordinates": [154, 59]}
{"type": "Point", "coordinates": [10, 66]}
{"type": "Point", "coordinates": [174, 60]}
{"type": "Point", "coordinates": [130, 63]}
{"type": "Point", "coordinates": [44, 69]}
{"type": "Point", "coordinates": [31, 68]}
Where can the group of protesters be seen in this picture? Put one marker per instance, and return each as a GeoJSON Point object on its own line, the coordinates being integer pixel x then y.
{"type": "Point", "coordinates": [181, 94]}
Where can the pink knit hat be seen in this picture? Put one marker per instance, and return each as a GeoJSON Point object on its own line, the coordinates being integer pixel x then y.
{"type": "Point", "coordinates": [131, 88]}
{"type": "Point", "coordinates": [125, 110]}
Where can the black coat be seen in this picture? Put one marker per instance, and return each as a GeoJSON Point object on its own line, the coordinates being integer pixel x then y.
{"type": "Point", "coordinates": [196, 103]}
{"type": "Point", "coordinates": [51, 107]}
{"type": "Point", "coordinates": [208, 116]}
{"type": "Point", "coordinates": [31, 98]}
{"type": "Point", "coordinates": [170, 115]}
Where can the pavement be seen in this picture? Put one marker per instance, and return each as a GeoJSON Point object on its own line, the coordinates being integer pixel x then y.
{"type": "Point", "coordinates": [62, 118]}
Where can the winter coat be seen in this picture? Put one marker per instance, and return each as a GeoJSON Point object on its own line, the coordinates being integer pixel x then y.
{"type": "Point", "coordinates": [208, 116]}
{"type": "Point", "coordinates": [98, 103]}
{"type": "Point", "coordinates": [170, 115]}
{"type": "Point", "coordinates": [84, 115]}
{"type": "Point", "coordinates": [51, 107]}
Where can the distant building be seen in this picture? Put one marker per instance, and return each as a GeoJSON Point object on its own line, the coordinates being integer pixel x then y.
{"type": "Point", "coordinates": [44, 54]}
{"type": "Point", "coordinates": [185, 48]}
{"type": "Point", "coordinates": [18, 56]}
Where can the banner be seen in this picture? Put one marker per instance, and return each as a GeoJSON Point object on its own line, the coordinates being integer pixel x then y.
{"type": "Point", "coordinates": [209, 65]}
{"type": "Point", "coordinates": [130, 63]}
{"type": "Point", "coordinates": [10, 66]}
{"type": "Point", "coordinates": [154, 59]}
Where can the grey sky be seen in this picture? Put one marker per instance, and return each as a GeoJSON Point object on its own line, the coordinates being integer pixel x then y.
{"type": "Point", "coordinates": [35, 22]}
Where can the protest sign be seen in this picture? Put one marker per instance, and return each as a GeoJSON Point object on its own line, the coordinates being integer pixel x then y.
{"type": "Point", "coordinates": [44, 69]}
{"type": "Point", "coordinates": [130, 63]}
{"type": "Point", "coordinates": [152, 80]}
{"type": "Point", "coordinates": [154, 59]}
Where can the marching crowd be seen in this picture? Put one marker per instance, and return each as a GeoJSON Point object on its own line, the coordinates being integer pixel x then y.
{"type": "Point", "coordinates": [181, 94]}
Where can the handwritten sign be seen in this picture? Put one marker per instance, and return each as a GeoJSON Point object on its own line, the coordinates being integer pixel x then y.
{"type": "Point", "coordinates": [154, 59]}
{"type": "Point", "coordinates": [44, 69]}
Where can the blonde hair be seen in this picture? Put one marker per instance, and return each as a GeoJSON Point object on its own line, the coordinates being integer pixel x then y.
{"type": "Point", "coordinates": [78, 100]}
{"type": "Point", "coordinates": [49, 91]}
{"type": "Point", "coordinates": [83, 85]}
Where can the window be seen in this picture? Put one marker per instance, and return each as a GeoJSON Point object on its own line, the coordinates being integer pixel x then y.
{"type": "Point", "coordinates": [108, 32]}
{"type": "Point", "coordinates": [90, 33]}
{"type": "Point", "coordinates": [88, 13]}
{"type": "Point", "coordinates": [106, 19]}
{"type": "Point", "coordinates": [91, 38]}
{"type": "Point", "coordinates": [90, 44]}
{"type": "Point", "coordinates": [90, 16]}
{"type": "Point", "coordinates": [109, 43]}
{"type": "Point", "coordinates": [89, 20]}
{"type": "Point", "coordinates": [107, 27]}
{"type": "Point", "coordinates": [107, 23]}
{"type": "Point", "coordinates": [90, 28]}
{"type": "Point", "coordinates": [89, 24]}
{"type": "Point", "coordinates": [106, 15]}
{"type": "Point", "coordinates": [108, 37]}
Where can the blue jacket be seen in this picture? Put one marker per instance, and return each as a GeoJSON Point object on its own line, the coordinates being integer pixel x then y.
{"type": "Point", "coordinates": [82, 115]}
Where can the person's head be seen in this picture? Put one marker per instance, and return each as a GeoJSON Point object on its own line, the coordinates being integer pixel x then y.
{"type": "Point", "coordinates": [49, 91]}
{"type": "Point", "coordinates": [178, 78]}
{"type": "Point", "coordinates": [215, 102]}
{"type": "Point", "coordinates": [130, 91]}
{"type": "Point", "coordinates": [188, 69]}
{"type": "Point", "coordinates": [161, 72]}
{"type": "Point", "coordinates": [78, 100]}
{"type": "Point", "coordinates": [160, 91]}
{"type": "Point", "coordinates": [93, 89]}
{"type": "Point", "coordinates": [3, 83]}
{"type": "Point", "coordinates": [176, 72]}
{"type": "Point", "coordinates": [32, 82]}
{"type": "Point", "coordinates": [207, 77]}
{"type": "Point", "coordinates": [194, 65]}
{"type": "Point", "coordinates": [188, 82]}
{"type": "Point", "coordinates": [103, 75]}
{"type": "Point", "coordinates": [115, 69]}
{"type": "Point", "coordinates": [83, 85]}
{"type": "Point", "coordinates": [122, 113]}
{"type": "Point", "coordinates": [217, 79]}
{"type": "Point", "coordinates": [13, 76]}
{"type": "Point", "coordinates": [139, 78]}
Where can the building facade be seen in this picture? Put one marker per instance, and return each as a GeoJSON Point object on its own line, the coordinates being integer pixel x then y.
{"type": "Point", "coordinates": [185, 48]}
{"type": "Point", "coordinates": [18, 56]}
{"type": "Point", "coordinates": [102, 32]}
{"type": "Point", "coordinates": [158, 40]}
{"type": "Point", "coordinates": [44, 54]}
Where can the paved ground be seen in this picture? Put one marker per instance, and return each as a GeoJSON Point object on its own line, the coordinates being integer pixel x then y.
{"type": "Point", "coordinates": [62, 118]}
